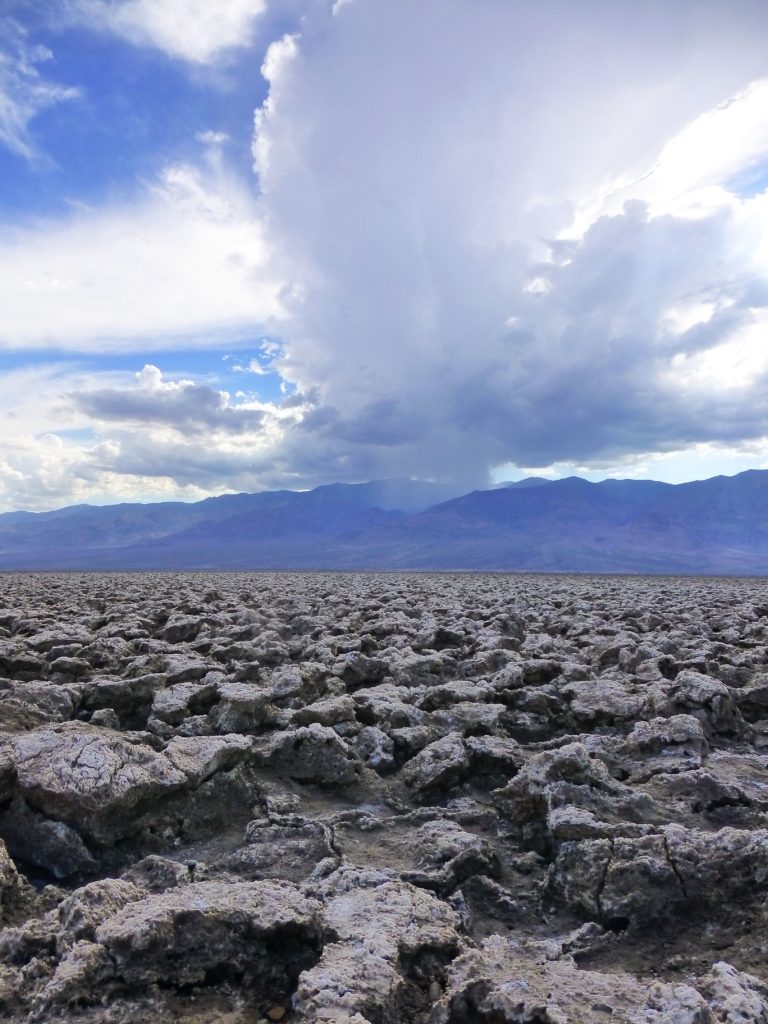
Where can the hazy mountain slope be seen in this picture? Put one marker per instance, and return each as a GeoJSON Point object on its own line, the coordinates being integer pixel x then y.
{"type": "Point", "coordinates": [711, 526]}
{"type": "Point", "coordinates": [130, 535]}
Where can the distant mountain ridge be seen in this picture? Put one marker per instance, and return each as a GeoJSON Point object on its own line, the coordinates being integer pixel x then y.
{"type": "Point", "coordinates": [715, 526]}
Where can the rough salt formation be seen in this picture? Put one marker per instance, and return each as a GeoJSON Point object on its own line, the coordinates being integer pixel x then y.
{"type": "Point", "coordinates": [383, 799]}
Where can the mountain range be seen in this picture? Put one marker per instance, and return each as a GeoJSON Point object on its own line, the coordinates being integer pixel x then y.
{"type": "Point", "coordinates": [717, 526]}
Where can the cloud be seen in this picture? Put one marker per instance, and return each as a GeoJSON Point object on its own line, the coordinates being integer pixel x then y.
{"type": "Point", "coordinates": [486, 234]}
{"type": "Point", "coordinates": [184, 405]}
{"type": "Point", "coordinates": [24, 91]}
{"type": "Point", "coordinates": [45, 446]}
{"type": "Point", "coordinates": [725, 148]}
{"type": "Point", "coordinates": [154, 428]}
{"type": "Point", "coordinates": [444, 187]}
{"type": "Point", "coordinates": [213, 139]}
{"type": "Point", "coordinates": [70, 433]}
{"type": "Point", "coordinates": [198, 31]}
{"type": "Point", "coordinates": [185, 264]}
{"type": "Point", "coordinates": [54, 471]}
{"type": "Point", "coordinates": [595, 368]}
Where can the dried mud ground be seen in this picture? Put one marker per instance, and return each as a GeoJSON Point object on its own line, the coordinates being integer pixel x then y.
{"type": "Point", "coordinates": [383, 798]}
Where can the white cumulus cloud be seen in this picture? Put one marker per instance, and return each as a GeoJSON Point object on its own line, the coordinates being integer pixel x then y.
{"type": "Point", "coordinates": [198, 31]}
{"type": "Point", "coordinates": [185, 264]}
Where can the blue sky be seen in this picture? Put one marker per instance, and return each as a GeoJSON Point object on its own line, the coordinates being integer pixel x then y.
{"type": "Point", "coordinates": [134, 111]}
{"type": "Point", "coordinates": [270, 243]}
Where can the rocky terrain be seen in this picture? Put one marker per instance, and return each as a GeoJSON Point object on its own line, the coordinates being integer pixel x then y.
{"type": "Point", "coordinates": [375, 799]}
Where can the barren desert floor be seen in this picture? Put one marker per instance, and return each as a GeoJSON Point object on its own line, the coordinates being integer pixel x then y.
{"type": "Point", "coordinates": [383, 798]}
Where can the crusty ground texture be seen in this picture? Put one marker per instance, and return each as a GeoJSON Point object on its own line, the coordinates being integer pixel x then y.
{"type": "Point", "coordinates": [383, 799]}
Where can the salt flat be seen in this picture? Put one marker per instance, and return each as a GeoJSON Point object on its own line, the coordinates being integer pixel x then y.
{"type": "Point", "coordinates": [383, 797]}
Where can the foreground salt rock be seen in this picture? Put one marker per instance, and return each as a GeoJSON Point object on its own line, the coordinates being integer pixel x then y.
{"type": "Point", "coordinates": [80, 914]}
{"type": "Point", "coordinates": [313, 753]}
{"type": "Point", "coordinates": [262, 932]}
{"type": "Point", "coordinates": [179, 937]}
{"type": "Point", "coordinates": [641, 880]}
{"type": "Point", "coordinates": [78, 772]}
{"type": "Point", "coordinates": [369, 799]}
{"type": "Point", "coordinates": [440, 764]}
{"type": "Point", "coordinates": [13, 888]}
{"type": "Point", "coordinates": [506, 981]}
{"type": "Point", "coordinates": [367, 975]}
{"type": "Point", "coordinates": [80, 788]}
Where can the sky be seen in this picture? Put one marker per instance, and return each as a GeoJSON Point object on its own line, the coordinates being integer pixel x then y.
{"type": "Point", "coordinates": [277, 243]}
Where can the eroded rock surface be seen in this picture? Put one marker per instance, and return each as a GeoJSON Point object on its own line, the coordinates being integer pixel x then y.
{"type": "Point", "coordinates": [383, 799]}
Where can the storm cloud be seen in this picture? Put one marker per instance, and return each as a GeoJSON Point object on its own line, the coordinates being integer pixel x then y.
{"type": "Point", "coordinates": [477, 237]}
{"type": "Point", "coordinates": [495, 217]}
